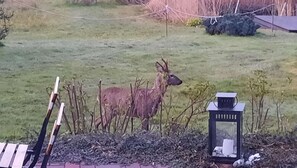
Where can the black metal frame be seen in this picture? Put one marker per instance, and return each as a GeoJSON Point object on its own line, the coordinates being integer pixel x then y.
{"type": "Point", "coordinates": [225, 115]}
{"type": "Point", "coordinates": [35, 152]}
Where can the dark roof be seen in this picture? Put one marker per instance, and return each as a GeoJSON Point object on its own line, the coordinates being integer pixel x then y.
{"type": "Point", "coordinates": [285, 23]}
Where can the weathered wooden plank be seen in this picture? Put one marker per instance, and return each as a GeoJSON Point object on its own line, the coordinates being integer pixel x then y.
{"type": "Point", "coordinates": [20, 156]}
{"type": "Point", "coordinates": [8, 154]}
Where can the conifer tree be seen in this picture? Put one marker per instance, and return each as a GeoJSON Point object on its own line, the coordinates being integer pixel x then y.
{"type": "Point", "coordinates": [5, 17]}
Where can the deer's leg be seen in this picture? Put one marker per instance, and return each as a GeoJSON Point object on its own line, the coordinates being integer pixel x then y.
{"type": "Point", "coordinates": [145, 124]}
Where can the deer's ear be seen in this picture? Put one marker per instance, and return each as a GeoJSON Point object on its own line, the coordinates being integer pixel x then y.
{"type": "Point", "coordinates": [159, 67]}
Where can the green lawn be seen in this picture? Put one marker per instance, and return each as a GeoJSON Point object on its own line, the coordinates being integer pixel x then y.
{"type": "Point", "coordinates": [42, 46]}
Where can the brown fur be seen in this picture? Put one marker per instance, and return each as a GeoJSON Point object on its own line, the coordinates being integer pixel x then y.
{"type": "Point", "coordinates": [117, 101]}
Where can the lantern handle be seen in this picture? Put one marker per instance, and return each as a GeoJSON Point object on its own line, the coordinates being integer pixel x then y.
{"type": "Point", "coordinates": [235, 104]}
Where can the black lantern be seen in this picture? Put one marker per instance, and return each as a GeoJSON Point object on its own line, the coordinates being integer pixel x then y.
{"type": "Point", "coordinates": [225, 128]}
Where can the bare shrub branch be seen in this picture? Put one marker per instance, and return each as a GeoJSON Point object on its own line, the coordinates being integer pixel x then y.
{"type": "Point", "coordinates": [258, 89]}
{"type": "Point", "coordinates": [82, 117]}
{"type": "Point", "coordinates": [199, 95]}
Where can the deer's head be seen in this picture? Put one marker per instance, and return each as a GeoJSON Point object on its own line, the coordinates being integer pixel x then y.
{"type": "Point", "coordinates": [168, 76]}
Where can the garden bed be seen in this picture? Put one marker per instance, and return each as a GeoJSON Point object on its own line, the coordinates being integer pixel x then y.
{"type": "Point", "coordinates": [186, 150]}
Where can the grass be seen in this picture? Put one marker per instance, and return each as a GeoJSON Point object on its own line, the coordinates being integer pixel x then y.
{"type": "Point", "coordinates": [42, 46]}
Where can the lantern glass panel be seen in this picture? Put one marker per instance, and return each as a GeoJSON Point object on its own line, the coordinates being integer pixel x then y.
{"type": "Point", "coordinates": [226, 140]}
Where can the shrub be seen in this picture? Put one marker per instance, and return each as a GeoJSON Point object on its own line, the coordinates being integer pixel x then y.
{"type": "Point", "coordinates": [194, 22]}
{"type": "Point", "coordinates": [80, 118]}
{"type": "Point", "coordinates": [4, 21]}
{"type": "Point", "coordinates": [82, 2]}
{"type": "Point", "coordinates": [235, 25]}
{"type": "Point", "coordinates": [138, 2]}
{"type": "Point", "coordinates": [258, 90]}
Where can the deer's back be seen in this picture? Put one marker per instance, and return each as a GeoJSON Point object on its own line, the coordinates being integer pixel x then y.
{"type": "Point", "coordinates": [119, 99]}
{"type": "Point", "coordinates": [115, 96]}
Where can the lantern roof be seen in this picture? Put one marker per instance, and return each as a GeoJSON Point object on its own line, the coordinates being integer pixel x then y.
{"type": "Point", "coordinates": [226, 95]}
{"type": "Point", "coordinates": [213, 106]}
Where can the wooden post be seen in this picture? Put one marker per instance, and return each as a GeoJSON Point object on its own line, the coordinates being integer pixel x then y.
{"type": "Point", "coordinates": [236, 8]}
{"type": "Point", "coordinates": [283, 9]}
{"type": "Point", "coordinates": [272, 19]}
{"type": "Point", "coordinates": [295, 9]}
{"type": "Point", "coordinates": [197, 7]}
{"type": "Point", "coordinates": [166, 18]}
{"type": "Point", "coordinates": [290, 8]}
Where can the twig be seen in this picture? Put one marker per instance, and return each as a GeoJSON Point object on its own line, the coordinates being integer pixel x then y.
{"type": "Point", "coordinates": [58, 102]}
{"type": "Point", "coordinates": [76, 106]}
{"type": "Point", "coordinates": [81, 107]}
{"type": "Point", "coordinates": [100, 104]}
{"type": "Point", "coordinates": [71, 107]}
{"type": "Point", "coordinates": [161, 113]}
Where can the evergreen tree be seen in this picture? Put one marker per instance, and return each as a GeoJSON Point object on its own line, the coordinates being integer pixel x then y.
{"type": "Point", "coordinates": [4, 21]}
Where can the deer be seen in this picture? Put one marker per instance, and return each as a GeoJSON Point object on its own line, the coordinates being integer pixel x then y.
{"type": "Point", "coordinates": [146, 101]}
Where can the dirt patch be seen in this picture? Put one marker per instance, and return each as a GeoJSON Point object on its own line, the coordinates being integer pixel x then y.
{"type": "Point", "coordinates": [186, 150]}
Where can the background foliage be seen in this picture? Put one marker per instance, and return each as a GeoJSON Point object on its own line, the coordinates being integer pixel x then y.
{"type": "Point", "coordinates": [106, 41]}
{"type": "Point", "coordinates": [234, 25]}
